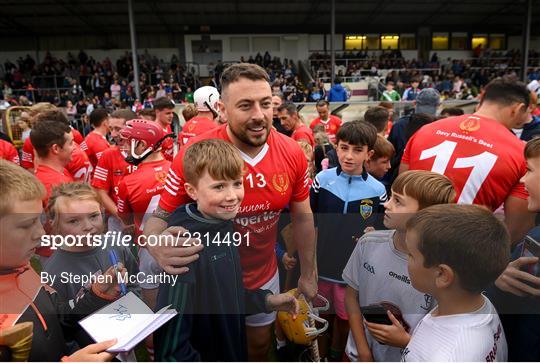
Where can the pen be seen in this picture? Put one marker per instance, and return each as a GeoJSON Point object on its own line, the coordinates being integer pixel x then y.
{"type": "Point", "coordinates": [114, 261]}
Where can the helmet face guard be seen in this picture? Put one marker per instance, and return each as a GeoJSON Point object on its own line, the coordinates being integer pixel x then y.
{"type": "Point", "coordinates": [214, 112]}
{"type": "Point", "coordinates": [135, 159]}
{"type": "Point", "coordinates": [300, 330]}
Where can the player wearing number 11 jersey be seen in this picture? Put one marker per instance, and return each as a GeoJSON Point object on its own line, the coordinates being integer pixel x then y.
{"type": "Point", "coordinates": [479, 153]}
{"type": "Point", "coordinates": [482, 158]}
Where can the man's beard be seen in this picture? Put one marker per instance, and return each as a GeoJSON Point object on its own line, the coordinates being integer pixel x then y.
{"type": "Point", "coordinates": [242, 136]}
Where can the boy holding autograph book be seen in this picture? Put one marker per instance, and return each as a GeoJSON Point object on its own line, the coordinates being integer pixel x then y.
{"type": "Point", "coordinates": [210, 298]}
{"type": "Point", "coordinates": [23, 298]}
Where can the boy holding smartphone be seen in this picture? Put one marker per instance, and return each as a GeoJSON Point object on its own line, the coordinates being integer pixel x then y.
{"type": "Point", "coordinates": [517, 292]}
{"type": "Point", "coordinates": [377, 269]}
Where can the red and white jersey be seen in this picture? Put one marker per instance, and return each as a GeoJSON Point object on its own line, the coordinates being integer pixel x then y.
{"type": "Point", "coordinates": [139, 192]}
{"type": "Point", "coordinates": [94, 145]}
{"type": "Point", "coordinates": [27, 154]}
{"type": "Point", "coordinates": [50, 178]}
{"type": "Point", "coordinates": [274, 178]}
{"type": "Point", "coordinates": [303, 133]}
{"type": "Point", "coordinates": [331, 126]}
{"type": "Point", "coordinates": [8, 152]}
{"type": "Point", "coordinates": [80, 166]}
{"type": "Point", "coordinates": [482, 158]}
{"type": "Point", "coordinates": [167, 147]}
{"type": "Point", "coordinates": [77, 137]}
{"type": "Point", "coordinates": [110, 170]}
{"type": "Point", "coordinates": [196, 126]}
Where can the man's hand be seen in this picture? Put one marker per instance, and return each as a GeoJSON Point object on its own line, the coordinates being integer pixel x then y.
{"type": "Point", "coordinates": [175, 252]}
{"type": "Point", "coordinates": [288, 261]}
{"type": "Point", "coordinates": [511, 280]}
{"type": "Point", "coordinates": [394, 335]}
{"type": "Point", "coordinates": [307, 285]}
{"type": "Point", "coordinates": [94, 352]}
{"type": "Point", "coordinates": [112, 288]}
{"type": "Point", "coordinates": [283, 302]}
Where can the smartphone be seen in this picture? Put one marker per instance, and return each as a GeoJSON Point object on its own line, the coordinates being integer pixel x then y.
{"type": "Point", "coordinates": [376, 313]}
{"type": "Point", "coordinates": [531, 248]}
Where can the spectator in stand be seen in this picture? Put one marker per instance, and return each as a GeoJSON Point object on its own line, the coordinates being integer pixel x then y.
{"type": "Point", "coordinates": [337, 92]}
{"type": "Point", "coordinates": [390, 95]}
{"type": "Point", "coordinates": [115, 89]}
{"type": "Point", "coordinates": [316, 94]}
{"type": "Point", "coordinates": [23, 123]}
{"type": "Point", "coordinates": [188, 96]}
{"type": "Point", "coordinates": [81, 107]}
{"type": "Point", "coordinates": [411, 92]}
{"type": "Point", "coordinates": [137, 106]}
{"type": "Point", "coordinates": [71, 110]}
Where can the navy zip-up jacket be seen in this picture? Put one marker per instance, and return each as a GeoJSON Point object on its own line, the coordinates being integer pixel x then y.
{"type": "Point", "coordinates": [210, 298]}
{"type": "Point", "coordinates": [343, 205]}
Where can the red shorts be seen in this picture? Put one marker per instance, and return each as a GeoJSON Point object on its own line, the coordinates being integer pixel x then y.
{"type": "Point", "coordinates": [335, 294]}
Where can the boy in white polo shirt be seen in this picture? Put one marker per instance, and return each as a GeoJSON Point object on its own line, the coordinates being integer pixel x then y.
{"type": "Point", "coordinates": [455, 253]}
{"type": "Point", "coordinates": [377, 272]}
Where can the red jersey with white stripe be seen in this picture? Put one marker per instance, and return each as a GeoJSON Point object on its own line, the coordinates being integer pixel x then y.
{"type": "Point", "coordinates": [79, 166]}
{"type": "Point", "coordinates": [331, 126]}
{"type": "Point", "coordinates": [274, 178]}
{"type": "Point", "coordinates": [196, 126]}
{"type": "Point", "coordinates": [139, 192]}
{"type": "Point", "coordinates": [303, 133]}
{"type": "Point", "coordinates": [110, 170]}
{"type": "Point", "coordinates": [167, 147]}
{"type": "Point", "coordinates": [8, 152]}
{"type": "Point", "coordinates": [96, 144]}
{"type": "Point", "coordinates": [27, 154]}
{"type": "Point", "coordinates": [77, 137]}
{"type": "Point", "coordinates": [483, 158]}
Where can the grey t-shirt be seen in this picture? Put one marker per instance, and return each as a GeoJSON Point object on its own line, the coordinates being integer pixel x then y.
{"type": "Point", "coordinates": [378, 271]}
{"type": "Point", "coordinates": [92, 262]}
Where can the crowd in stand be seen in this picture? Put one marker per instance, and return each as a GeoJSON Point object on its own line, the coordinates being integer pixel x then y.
{"type": "Point", "coordinates": [454, 79]}
{"type": "Point", "coordinates": [82, 76]}
{"type": "Point", "coordinates": [81, 81]}
{"type": "Point", "coordinates": [415, 265]}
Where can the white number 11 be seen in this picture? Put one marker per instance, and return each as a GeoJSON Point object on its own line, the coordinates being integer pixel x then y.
{"type": "Point", "coordinates": [481, 165]}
